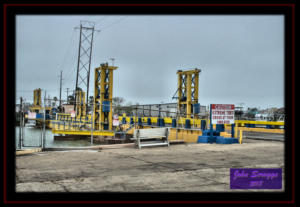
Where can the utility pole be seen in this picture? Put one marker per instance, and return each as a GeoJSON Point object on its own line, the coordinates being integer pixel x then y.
{"type": "Point", "coordinates": [44, 123]}
{"type": "Point", "coordinates": [21, 123]}
{"type": "Point", "coordinates": [67, 95]}
{"type": "Point", "coordinates": [113, 61]}
{"type": "Point", "coordinates": [159, 110]}
{"type": "Point", "coordinates": [60, 89]}
{"type": "Point", "coordinates": [92, 125]}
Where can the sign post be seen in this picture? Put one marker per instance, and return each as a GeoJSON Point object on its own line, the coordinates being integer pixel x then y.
{"type": "Point", "coordinates": [211, 125]}
{"type": "Point", "coordinates": [92, 125]}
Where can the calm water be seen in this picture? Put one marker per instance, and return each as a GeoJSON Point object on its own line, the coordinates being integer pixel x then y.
{"type": "Point", "coordinates": [32, 138]}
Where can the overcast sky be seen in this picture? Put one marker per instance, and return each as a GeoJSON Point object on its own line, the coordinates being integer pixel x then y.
{"type": "Point", "coordinates": [241, 57]}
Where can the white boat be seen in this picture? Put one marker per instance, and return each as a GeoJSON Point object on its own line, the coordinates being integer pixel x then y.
{"type": "Point", "coordinates": [30, 123]}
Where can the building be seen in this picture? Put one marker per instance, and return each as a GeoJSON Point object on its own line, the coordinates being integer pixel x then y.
{"type": "Point", "coordinates": [154, 110]}
{"type": "Point", "coordinates": [67, 108]}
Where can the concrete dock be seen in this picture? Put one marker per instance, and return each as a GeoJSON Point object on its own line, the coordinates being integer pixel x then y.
{"type": "Point", "coordinates": [181, 167]}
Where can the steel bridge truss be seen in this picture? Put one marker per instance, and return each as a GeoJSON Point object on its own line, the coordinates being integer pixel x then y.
{"type": "Point", "coordinates": [84, 57]}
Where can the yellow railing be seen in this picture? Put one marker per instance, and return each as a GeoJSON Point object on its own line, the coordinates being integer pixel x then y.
{"type": "Point", "coordinates": [67, 125]}
{"type": "Point", "coordinates": [278, 123]}
{"type": "Point", "coordinates": [168, 120]}
{"type": "Point", "coordinates": [70, 126]}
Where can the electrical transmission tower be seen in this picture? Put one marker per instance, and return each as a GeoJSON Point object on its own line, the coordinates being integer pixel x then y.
{"type": "Point", "coordinates": [87, 29]}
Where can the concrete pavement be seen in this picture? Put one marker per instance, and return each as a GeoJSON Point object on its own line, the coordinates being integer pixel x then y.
{"type": "Point", "coordinates": [182, 167]}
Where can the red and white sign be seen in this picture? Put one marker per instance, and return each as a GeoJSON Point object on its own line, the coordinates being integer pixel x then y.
{"type": "Point", "coordinates": [31, 115]}
{"type": "Point", "coordinates": [116, 120]}
{"type": "Point", "coordinates": [73, 113]}
{"type": "Point", "coordinates": [222, 113]}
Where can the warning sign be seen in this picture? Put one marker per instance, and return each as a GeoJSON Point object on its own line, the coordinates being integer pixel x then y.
{"type": "Point", "coordinates": [222, 113]}
{"type": "Point", "coordinates": [115, 120]}
{"type": "Point", "coordinates": [31, 115]}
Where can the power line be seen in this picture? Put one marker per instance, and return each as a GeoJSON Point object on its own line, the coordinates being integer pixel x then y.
{"type": "Point", "coordinates": [69, 74]}
{"type": "Point", "coordinates": [31, 91]}
{"type": "Point", "coordinates": [101, 20]}
{"type": "Point", "coordinates": [115, 22]}
{"type": "Point", "coordinates": [67, 49]}
{"type": "Point", "coordinates": [67, 93]}
{"type": "Point", "coordinates": [110, 25]}
{"type": "Point", "coordinates": [69, 67]}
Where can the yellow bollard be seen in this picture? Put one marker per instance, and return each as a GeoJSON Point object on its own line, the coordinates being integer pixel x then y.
{"type": "Point", "coordinates": [236, 131]}
{"type": "Point", "coordinates": [241, 136]}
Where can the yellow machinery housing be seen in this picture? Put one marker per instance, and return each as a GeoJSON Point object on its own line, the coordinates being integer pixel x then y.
{"type": "Point", "coordinates": [188, 85]}
{"type": "Point", "coordinates": [39, 109]}
{"type": "Point", "coordinates": [37, 97]}
{"type": "Point", "coordinates": [80, 106]}
{"type": "Point", "coordinates": [37, 101]}
{"type": "Point", "coordinates": [100, 123]}
{"type": "Point", "coordinates": [103, 94]}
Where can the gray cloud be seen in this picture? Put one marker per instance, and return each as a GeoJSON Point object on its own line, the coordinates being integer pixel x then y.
{"type": "Point", "coordinates": [241, 57]}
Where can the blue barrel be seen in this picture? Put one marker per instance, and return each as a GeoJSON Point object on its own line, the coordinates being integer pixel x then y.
{"type": "Point", "coordinates": [106, 106]}
{"type": "Point", "coordinates": [187, 124]}
{"type": "Point", "coordinates": [209, 132]}
{"type": "Point", "coordinates": [124, 120]}
{"type": "Point", "coordinates": [220, 127]}
{"type": "Point", "coordinates": [139, 121]}
{"type": "Point", "coordinates": [232, 130]}
{"type": "Point", "coordinates": [174, 123]}
{"type": "Point", "coordinates": [105, 126]}
{"type": "Point", "coordinates": [149, 121]}
{"type": "Point", "coordinates": [158, 122]}
{"type": "Point", "coordinates": [203, 124]}
{"type": "Point", "coordinates": [131, 121]}
{"type": "Point", "coordinates": [196, 108]}
{"type": "Point", "coordinates": [162, 122]}
{"type": "Point", "coordinates": [250, 125]}
{"type": "Point", "coordinates": [207, 139]}
{"type": "Point", "coordinates": [39, 116]}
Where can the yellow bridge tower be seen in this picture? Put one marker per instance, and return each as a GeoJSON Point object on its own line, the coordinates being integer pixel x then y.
{"type": "Point", "coordinates": [188, 85]}
{"type": "Point", "coordinates": [80, 105]}
{"type": "Point", "coordinates": [103, 93]}
{"type": "Point", "coordinates": [37, 97]}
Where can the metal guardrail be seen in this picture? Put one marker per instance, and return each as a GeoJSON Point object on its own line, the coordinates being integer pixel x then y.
{"type": "Point", "coordinates": [71, 126]}
{"type": "Point", "coordinates": [168, 120]}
